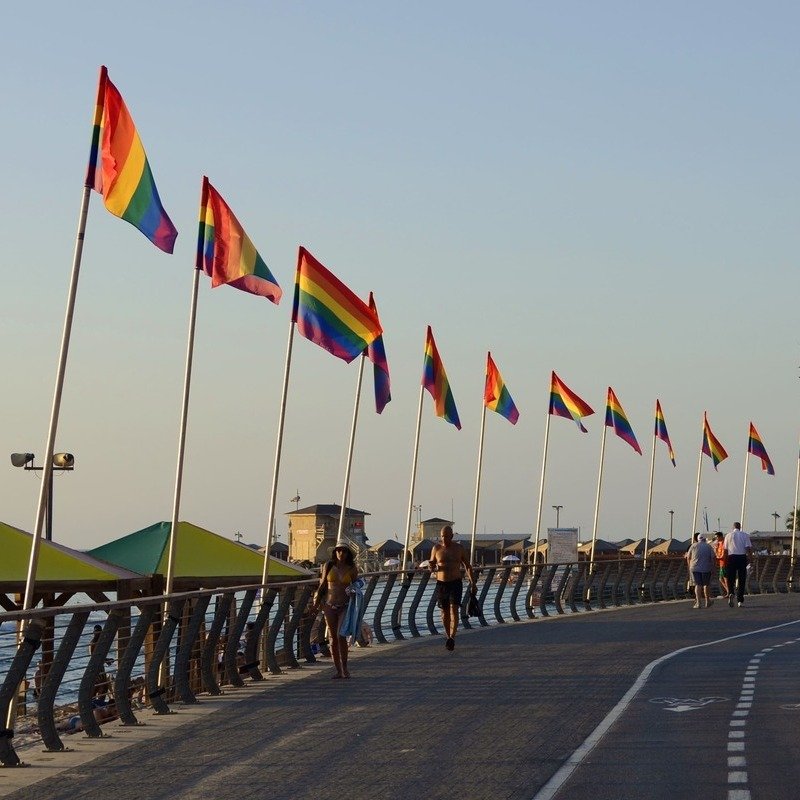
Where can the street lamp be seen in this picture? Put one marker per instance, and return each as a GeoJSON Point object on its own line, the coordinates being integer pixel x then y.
{"type": "Point", "coordinates": [558, 509]}
{"type": "Point", "coordinates": [776, 516]}
{"type": "Point", "coordinates": [63, 462]}
{"type": "Point", "coordinates": [671, 515]}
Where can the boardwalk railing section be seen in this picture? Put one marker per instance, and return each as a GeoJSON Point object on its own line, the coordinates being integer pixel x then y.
{"type": "Point", "coordinates": [111, 660]}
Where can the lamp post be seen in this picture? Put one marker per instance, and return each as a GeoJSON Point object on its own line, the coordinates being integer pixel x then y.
{"type": "Point", "coordinates": [671, 515]}
{"type": "Point", "coordinates": [63, 462]}
{"type": "Point", "coordinates": [776, 516]}
{"type": "Point", "coordinates": [558, 510]}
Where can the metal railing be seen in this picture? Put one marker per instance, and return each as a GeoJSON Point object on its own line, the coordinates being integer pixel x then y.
{"type": "Point", "coordinates": [150, 652]}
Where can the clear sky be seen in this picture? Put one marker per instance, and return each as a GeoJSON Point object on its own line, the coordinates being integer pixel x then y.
{"type": "Point", "coordinates": [609, 190]}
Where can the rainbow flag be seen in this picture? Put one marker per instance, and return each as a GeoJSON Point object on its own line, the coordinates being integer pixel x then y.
{"type": "Point", "coordinates": [711, 446]}
{"type": "Point", "coordinates": [118, 169]}
{"type": "Point", "coordinates": [328, 313]}
{"type": "Point", "coordinates": [616, 419]}
{"type": "Point", "coordinates": [661, 432]}
{"type": "Point", "coordinates": [380, 366]}
{"type": "Point", "coordinates": [225, 252]}
{"type": "Point", "coordinates": [496, 396]}
{"type": "Point", "coordinates": [565, 403]}
{"type": "Point", "coordinates": [434, 379]}
{"type": "Point", "coordinates": [756, 447]}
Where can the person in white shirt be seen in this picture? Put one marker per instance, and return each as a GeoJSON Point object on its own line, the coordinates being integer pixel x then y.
{"type": "Point", "coordinates": [738, 553]}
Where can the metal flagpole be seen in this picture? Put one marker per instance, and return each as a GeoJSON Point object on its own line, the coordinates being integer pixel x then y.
{"type": "Point", "coordinates": [597, 499]}
{"type": "Point", "coordinates": [794, 519]}
{"type": "Point", "coordinates": [696, 495]}
{"type": "Point", "coordinates": [187, 380]}
{"type": "Point", "coordinates": [541, 489]}
{"type": "Point", "coordinates": [477, 485]}
{"type": "Point", "coordinates": [744, 492]}
{"type": "Point", "coordinates": [276, 470]}
{"type": "Point", "coordinates": [47, 469]}
{"type": "Point", "coordinates": [413, 479]}
{"type": "Point", "coordinates": [649, 504]}
{"type": "Point", "coordinates": [350, 451]}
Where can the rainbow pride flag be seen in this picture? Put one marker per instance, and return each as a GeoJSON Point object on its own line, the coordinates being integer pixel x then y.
{"type": "Point", "coordinates": [565, 403]}
{"type": "Point", "coordinates": [380, 366]}
{"type": "Point", "coordinates": [328, 313]}
{"type": "Point", "coordinates": [119, 170]}
{"type": "Point", "coordinates": [434, 379]}
{"type": "Point", "coordinates": [496, 396]}
{"type": "Point", "coordinates": [661, 432]}
{"type": "Point", "coordinates": [756, 447]}
{"type": "Point", "coordinates": [617, 419]}
{"type": "Point", "coordinates": [225, 252]}
{"type": "Point", "coordinates": [711, 445]}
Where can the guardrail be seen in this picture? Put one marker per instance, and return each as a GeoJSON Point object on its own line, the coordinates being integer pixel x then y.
{"type": "Point", "coordinates": [184, 644]}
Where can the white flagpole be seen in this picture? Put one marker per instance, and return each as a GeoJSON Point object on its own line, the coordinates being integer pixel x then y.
{"type": "Point", "coordinates": [597, 499]}
{"type": "Point", "coordinates": [477, 485]}
{"type": "Point", "coordinates": [794, 518]}
{"type": "Point", "coordinates": [413, 479]}
{"type": "Point", "coordinates": [744, 491]}
{"type": "Point", "coordinates": [276, 470]}
{"type": "Point", "coordinates": [47, 469]}
{"type": "Point", "coordinates": [350, 451]}
{"type": "Point", "coordinates": [187, 380]}
{"type": "Point", "coordinates": [696, 495]}
{"type": "Point", "coordinates": [649, 503]}
{"type": "Point", "coordinates": [541, 489]}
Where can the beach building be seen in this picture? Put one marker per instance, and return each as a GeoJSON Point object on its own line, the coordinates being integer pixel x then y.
{"type": "Point", "coordinates": [429, 529]}
{"type": "Point", "coordinates": [313, 531]}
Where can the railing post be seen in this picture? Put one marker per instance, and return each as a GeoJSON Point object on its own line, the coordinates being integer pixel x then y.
{"type": "Point", "coordinates": [31, 640]}
{"type": "Point", "coordinates": [127, 662]}
{"type": "Point", "coordinates": [155, 693]}
{"type": "Point", "coordinates": [58, 668]}
{"type": "Point", "coordinates": [190, 634]}
{"type": "Point", "coordinates": [209, 669]}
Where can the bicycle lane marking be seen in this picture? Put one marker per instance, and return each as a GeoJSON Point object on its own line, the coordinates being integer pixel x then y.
{"type": "Point", "coordinates": [562, 775]}
{"type": "Point", "coordinates": [738, 779]}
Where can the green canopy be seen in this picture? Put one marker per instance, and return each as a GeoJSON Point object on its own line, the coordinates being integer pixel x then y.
{"type": "Point", "coordinates": [199, 554]}
{"type": "Point", "coordinates": [56, 564]}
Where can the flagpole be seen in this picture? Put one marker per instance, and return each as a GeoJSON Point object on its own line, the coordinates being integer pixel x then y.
{"type": "Point", "coordinates": [477, 485]}
{"type": "Point", "coordinates": [350, 451]}
{"type": "Point", "coordinates": [744, 493]}
{"type": "Point", "coordinates": [187, 380]}
{"type": "Point", "coordinates": [276, 470]}
{"type": "Point", "coordinates": [794, 520]}
{"type": "Point", "coordinates": [47, 469]}
{"type": "Point", "coordinates": [696, 494]}
{"type": "Point", "coordinates": [413, 478]}
{"type": "Point", "coordinates": [541, 489]}
{"type": "Point", "coordinates": [597, 499]}
{"type": "Point", "coordinates": [649, 503]}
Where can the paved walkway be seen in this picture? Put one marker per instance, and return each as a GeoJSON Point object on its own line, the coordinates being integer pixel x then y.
{"type": "Point", "coordinates": [498, 718]}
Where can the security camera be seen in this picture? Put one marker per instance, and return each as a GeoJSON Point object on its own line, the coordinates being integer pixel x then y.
{"type": "Point", "coordinates": [21, 459]}
{"type": "Point", "coordinates": [64, 460]}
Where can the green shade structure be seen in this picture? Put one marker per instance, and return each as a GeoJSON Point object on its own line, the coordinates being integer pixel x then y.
{"type": "Point", "coordinates": [201, 557]}
{"type": "Point", "coordinates": [57, 564]}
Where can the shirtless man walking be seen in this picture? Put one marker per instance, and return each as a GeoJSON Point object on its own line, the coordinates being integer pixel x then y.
{"type": "Point", "coordinates": [446, 560]}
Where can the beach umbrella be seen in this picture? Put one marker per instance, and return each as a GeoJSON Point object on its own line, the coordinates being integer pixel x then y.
{"type": "Point", "coordinates": [510, 558]}
{"type": "Point", "coordinates": [391, 562]}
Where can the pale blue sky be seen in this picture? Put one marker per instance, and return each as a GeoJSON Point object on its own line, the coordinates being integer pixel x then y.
{"type": "Point", "coordinates": [609, 190]}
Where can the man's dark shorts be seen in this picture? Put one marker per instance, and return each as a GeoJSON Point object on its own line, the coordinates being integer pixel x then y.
{"type": "Point", "coordinates": [701, 578]}
{"type": "Point", "coordinates": [449, 593]}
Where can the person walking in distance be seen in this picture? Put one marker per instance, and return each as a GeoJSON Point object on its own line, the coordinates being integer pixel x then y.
{"type": "Point", "coordinates": [700, 557]}
{"type": "Point", "coordinates": [738, 554]}
{"type": "Point", "coordinates": [722, 567]}
{"type": "Point", "coordinates": [446, 560]}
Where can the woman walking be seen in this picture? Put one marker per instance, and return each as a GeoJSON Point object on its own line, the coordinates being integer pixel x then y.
{"type": "Point", "coordinates": [334, 592]}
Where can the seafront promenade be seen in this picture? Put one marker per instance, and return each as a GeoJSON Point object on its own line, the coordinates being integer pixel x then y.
{"type": "Point", "coordinates": [568, 707]}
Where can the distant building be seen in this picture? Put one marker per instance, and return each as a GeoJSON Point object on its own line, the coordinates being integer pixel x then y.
{"type": "Point", "coordinates": [313, 530]}
{"type": "Point", "coordinates": [429, 529]}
